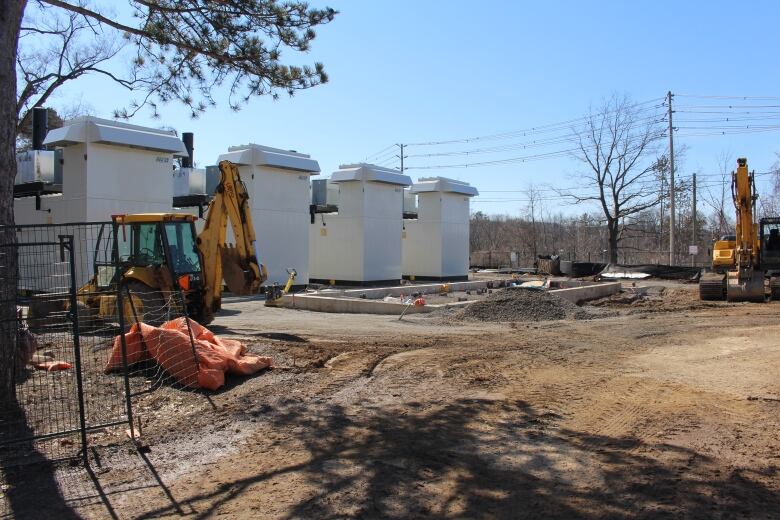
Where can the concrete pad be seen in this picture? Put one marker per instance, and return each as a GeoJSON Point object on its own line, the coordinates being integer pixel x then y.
{"type": "Point", "coordinates": [342, 304]}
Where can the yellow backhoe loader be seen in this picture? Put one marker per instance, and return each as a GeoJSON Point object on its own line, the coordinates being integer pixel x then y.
{"type": "Point", "coordinates": [742, 262]}
{"type": "Point", "coordinates": [159, 257]}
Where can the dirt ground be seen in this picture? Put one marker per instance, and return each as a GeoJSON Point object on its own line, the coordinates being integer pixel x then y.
{"type": "Point", "coordinates": [671, 408]}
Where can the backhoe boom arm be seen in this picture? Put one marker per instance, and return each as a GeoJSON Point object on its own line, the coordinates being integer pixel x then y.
{"type": "Point", "coordinates": [236, 264]}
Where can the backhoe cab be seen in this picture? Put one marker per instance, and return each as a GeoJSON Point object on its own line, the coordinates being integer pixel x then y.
{"type": "Point", "coordinates": [159, 257]}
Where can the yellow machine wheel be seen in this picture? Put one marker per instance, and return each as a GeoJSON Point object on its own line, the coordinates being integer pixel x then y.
{"type": "Point", "coordinates": [145, 303]}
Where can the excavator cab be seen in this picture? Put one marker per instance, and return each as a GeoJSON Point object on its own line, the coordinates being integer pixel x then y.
{"type": "Point", "coordinates": [769, 236]}
{"type": "Point", "coordinates": [770, 244]}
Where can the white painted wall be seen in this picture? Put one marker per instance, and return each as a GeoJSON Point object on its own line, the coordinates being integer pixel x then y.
{"type": "Point", "coordinates": [336, 248]}
{"type": "Point", "coordinates": [421, 248]}
{"type": "Point", "coordinates": [126, 180]}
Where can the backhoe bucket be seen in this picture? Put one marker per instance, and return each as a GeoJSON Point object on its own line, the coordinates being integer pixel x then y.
{"type": "Point", "coordinates": [746, 290]}
{"type": "Point", "coordinates": [238, 278]}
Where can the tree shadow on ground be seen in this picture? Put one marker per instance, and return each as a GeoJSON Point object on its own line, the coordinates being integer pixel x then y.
{"type": "Point", "coordinates": [30, 486]}
{"type": "Point", "coordinates": [244, 333]}
{"type": "Point", "coordinates": [481, 458]}
{"type": "Point", "coordinates": [47, 478]}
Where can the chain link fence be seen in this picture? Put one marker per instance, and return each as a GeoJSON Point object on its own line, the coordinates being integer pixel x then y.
{"type": "Point", "coordinates": [79, 343]}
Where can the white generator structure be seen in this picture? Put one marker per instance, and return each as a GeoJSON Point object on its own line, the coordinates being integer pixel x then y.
{"type": "Point", "coordinates": [107, 168]}
{"type": "Point", "coordinates": [360, 244]}
{"type": "Point", "coordinates": [278, 183]}
{"type": "Point", "coordinates": [436, 243]}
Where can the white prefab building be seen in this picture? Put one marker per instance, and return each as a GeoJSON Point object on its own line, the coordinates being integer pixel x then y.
{"type": "Point", "coordinates": [436, 243]}
{"type": "Point", "coordinates": [279, 184]}
{"type": "Point", "coordinates": [361, 243]}
{"type": "Point", "coordinates": [108, 168]}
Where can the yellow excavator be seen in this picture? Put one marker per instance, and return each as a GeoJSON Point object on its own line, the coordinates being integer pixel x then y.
{"type": "Point", "coordinates": [162, 260]}
{"type": "Point", "coordinates": [741, 262]}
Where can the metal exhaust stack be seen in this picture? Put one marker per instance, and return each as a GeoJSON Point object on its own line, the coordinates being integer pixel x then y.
{"type": "Point", "coordinates": [188, 140]}
{"type": "Point", "coordinates": [40, 126]}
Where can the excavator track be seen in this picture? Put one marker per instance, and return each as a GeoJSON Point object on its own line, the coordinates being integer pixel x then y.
{"type": "Point", "coordinates": [774, 288]}
{"type": "Point", "coordinates": [712, 286]}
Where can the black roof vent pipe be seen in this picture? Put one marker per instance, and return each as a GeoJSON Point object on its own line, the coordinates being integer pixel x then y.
{"type": "Point", "coordinates": [40, 126]}
{"type": "Point", "coordinates": [188, 139]}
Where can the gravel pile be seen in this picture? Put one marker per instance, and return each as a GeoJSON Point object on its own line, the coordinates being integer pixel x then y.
{"type": "Point", "coordinates": [521, 305]}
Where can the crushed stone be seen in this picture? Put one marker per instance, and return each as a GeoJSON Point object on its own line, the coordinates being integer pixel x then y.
{"type": "Point", "coordinates": [518, 304]}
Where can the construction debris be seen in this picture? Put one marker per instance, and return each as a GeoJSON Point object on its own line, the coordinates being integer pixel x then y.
{"type": "Point", "coordinates": [664, 272]}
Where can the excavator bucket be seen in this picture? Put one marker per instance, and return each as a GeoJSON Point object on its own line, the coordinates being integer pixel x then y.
{"type": "Point", "coordinates": [748, 289]}
{"type": "Point", "coordinates": [238, 278]}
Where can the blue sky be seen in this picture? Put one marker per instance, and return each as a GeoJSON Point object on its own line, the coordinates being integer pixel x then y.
{"type": "Point", "coordinates": [411, 71]}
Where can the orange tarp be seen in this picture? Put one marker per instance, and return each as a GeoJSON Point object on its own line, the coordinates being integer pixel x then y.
{"type": "Point", "coordinates": [169, 345]}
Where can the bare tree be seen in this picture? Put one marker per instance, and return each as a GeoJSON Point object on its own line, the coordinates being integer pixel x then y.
{"type": "Point", "coordinates": [483, 232]}
{"type": "Point", "coordinates": [56, 47]}
{"type": "Point", "coordinates": [532, 210]}
{"type": "Point", "coordinates": [770, 202]}
{"type": "Point", "coordinates": [618, 145]}
{"type": "Point", "coordinates": [718, 197]}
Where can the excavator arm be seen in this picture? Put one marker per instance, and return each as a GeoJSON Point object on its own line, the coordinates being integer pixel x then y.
{"type": "Point", "coordinates": [747, 246]}
{"type": "Point", "coordinates": [236, 264]}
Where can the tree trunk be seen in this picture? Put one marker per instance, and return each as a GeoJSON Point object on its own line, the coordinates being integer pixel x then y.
{"type": "Point", "coordinates": [612, 228]}
{"type": "Point", "coordinates": [10, 19]}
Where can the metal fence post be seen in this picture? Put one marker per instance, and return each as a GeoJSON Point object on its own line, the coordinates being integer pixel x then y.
{"type": "Point", "coordinates": [66, 243]}
{"type": "Point", "coordinates": [187, 321]}
{"type": "Point", "coordinates": [125, 369]}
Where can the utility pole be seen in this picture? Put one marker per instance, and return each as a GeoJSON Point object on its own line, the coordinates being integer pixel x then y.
{"type": "Point", "coordinates": [671, 181]}
{"type": "Point", "coordinates": [401, 146]}
{"type": "Point", "coordinates": [661, 227]}
{"type": "Point", "coordinates": [694, 240]}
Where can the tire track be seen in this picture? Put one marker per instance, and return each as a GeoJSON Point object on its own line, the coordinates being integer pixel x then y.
{"type": "Point", "coordinates": [615, 412]}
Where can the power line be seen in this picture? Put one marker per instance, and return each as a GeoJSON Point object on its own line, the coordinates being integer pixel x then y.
{"type": "Point", "coordinates": [379, 153]}
{"type": "Point", "coordinates": [731, 132]}
{"type": "Point", "coordinates": [754, 98]}
{"type": "Point", "coordinates": [751, 114]}
{"type": "Point", "coordinates": [729, 119]}
{"type": "Point", "coordinates": [534, 129]}
{"type": "Point", "coordinates": [728, 106]}
{"type": "Point", "coordinates": [571, 137]}
{"type": "Point", "coordinates": [529, 158]}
